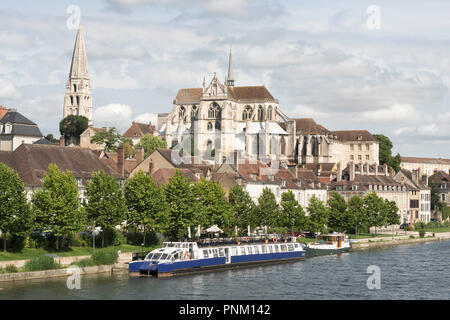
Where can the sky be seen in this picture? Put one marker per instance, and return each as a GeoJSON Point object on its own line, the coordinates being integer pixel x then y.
{"type": "Point", "coordinates": [382, 66]}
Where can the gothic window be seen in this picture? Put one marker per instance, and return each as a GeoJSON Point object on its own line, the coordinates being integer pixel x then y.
{"type": "Point", "coordinates": [71, 100]}
{"type": "Point", "coordinates": [210, 126]}
{"type": "Point", "coordinates": [247, 114]}
{"type": "Point", "coordinates": [260, 113]}
{"type": "Point", "coordinates": [194, 112]}
{"type": "Point", "coordinates": [282, 146]}
{"type": "Point", "coordinates": [269, 113]}
{"type": "Point", "coordinates": [182, 112]}
{"type": "Point", "coordinates": [217, 125]}
{"type": "Point", "coordinates": [78, 100]}
{"type": "Point", "coordinates": [74, 88]}
{"type": "Point", "coordinates": [214, 111]}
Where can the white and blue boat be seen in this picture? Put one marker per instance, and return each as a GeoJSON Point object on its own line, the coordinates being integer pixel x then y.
{"type": "Point", "coordinates": [176, 258]}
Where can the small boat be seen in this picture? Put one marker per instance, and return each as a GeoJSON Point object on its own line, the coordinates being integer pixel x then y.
{"type": "Point", "coordinates": [331, 243]}
{"type": "Point", "coordinates": [175, 258]}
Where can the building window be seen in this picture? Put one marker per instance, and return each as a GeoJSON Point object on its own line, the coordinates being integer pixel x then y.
{"type": "Point", "coordinates": [217, 125]}
{"type": "Point", "coordinates": [247, 114]}
{"type": "Point", "coordinates": [260, 113]}
{"type": "Point", "coordinates": [352, 157]}
{"type": "Point", "coordinates": [182, 112]}
{"type": "Point", "coordinates": [367, 157]}
{"type": "Point", "coordinates": [79, 182]}
{"type": "Point", "coordinates": [359, 147]}
{"type": "Point", "coordinates": [352, 147]}
{"type": "Point", "coordinates": [359, 157]}
{"type": "Point", "coordinates": [214, 111]}
{"type": "Point", "coordinates": [269, 113]}
{"type": "Point", "coordinates": [367, 146]}
{"type": "Point", "coordinates": [210, 126]}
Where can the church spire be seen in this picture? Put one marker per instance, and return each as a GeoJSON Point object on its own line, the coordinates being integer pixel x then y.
{"type": "Point", "coordinates": [78, 68]}
{"type": "Point", "coordinates": [78, 99]}
{"type": "Point", "coordinates": [230, 77]}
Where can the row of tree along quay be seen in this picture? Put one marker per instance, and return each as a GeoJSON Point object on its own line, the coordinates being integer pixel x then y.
{"type": "Point", "coordinates": [145, 210]}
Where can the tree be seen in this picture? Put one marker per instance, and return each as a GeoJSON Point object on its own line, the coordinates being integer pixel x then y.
{"type": "Point", "coordinates": [150, 143]}
{"type": "Point", "coordinates": [356, 210]}
{"type": "Point", "coordinates": [267, 209]}
{"type": "Point", "coordinates": [105, 202]}
{"type": "Point", "coordinates": [15, 214]}
{"type": "Point", "coordinates": [57, 205]}
{"type": "Point", "coordinates": [339, 218]}
{"type": "Point", "coordinates": [72, 127]}
{"type": "Point", "coordinates": [146, 203]}
{"type": "Point", "coordinates": [51, 138]}
{"type": "Point", "coordinates": [374, 207]}
{"type": "Point", "coordinates": [385, 152]}
{"type": "Point", "coordinates": [318, 215]}
{"type": "Point", "coordinates": [292, 214]}
{"type": "Point", "coordinates": [181, 203]}
{"type": "Point", "coordinates": [111, 139]}
{"type": "Point", "coordinates": [390, 212]}
{"type": "Point", "coordinates": [211, 205]}
{"type": "Point", "coordinates": [243, 208]}
{"type": "Point", "coordinates": [128, 147]}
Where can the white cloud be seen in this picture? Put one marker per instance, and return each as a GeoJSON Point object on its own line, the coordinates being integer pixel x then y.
{"type": "Point", "coordinates": [113, 115]}
{"type": "Point", "coordinates": [146, 118]}
{"type": "Point", "coordinates": [8, 91]}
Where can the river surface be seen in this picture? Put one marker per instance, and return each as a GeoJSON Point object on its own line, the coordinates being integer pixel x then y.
{"type": "Point", "coordinates": [415, 271]}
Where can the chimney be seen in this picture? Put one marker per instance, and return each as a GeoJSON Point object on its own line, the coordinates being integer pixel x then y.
{"type": "Point", "coordinates": [415, 176]}
{"type": "Point", "coordinates": [236, 160]}
{"type": "Point", "coordinates": [139, 155]}
{"type": "Point", "coordinates": [339, 172]}
{"type": "Point", "coordinates": [385, 169]}
{"type": "Point", "coordinates": [62, 141]}
{"type": "Point", "coordinates": [150, 167]}
{"type": "Point", "coordinates": [121, 160]}
{"type": "Point", "coordinates": [320, 170]}
{"type": "Point", "coordinates": [352, 171]}
{"type": "Point", "coordinates": [259, 169]}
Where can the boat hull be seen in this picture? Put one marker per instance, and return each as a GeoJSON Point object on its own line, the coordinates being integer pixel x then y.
{"type": "Point", "coordinates": [216, 264]}
{"type": "Point", "coordinates": [311, 252]}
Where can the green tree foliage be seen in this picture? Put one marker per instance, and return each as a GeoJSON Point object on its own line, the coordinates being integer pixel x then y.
{"type": "Point", "coordinates": [318, 215]}
{"type": "Point", "coordinates": [292, 216]}
{"type": "Point", "coordinates": [111, 139]}
{"type": "Point", "coordinates": [51, 138]}
{"type": "Point", "coordinates": [375, 208]}
{"type": "Point", "coordinates": [105, 202]}
{"type": "Point", "coordinates": [340, 219]}
{"type": "Point", "coordinates": [57, 205]}
{"type": "Point", "coordinates": [128, 147]}
{"type": "Point", "coordinates": [211, 204]}
{"type": "Point", "coordinates": [72, 127]}
{"type": "Point", "coordinates": [356, 210]}
{"type": "Point", "coordinates": [244, 209]}
{"type": "Point", "coordinates": [150, 143]}
{"type": "Point", "coordinates": [385, 152]}
{"type": "Point", "coordinates": [267, 209]}
{"type": "Point", "coordinates": [391, 213]}
{"type": "Point", "coordinates": [146, 203]}
{"type": "Point", "coordinates": [15, 214]}
{"type": "Point", "coordinates": [182, 205]}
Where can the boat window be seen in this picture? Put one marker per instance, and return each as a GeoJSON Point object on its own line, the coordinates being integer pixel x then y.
{"type": "Point", "coordinates": [264, 249]}
{"type": "Point", "coordinates": [177, 255]}
{"type": "Point", "coordinates": [296, 245]}
{"type": "Point", "coordinates": [283, 248]}
{"type": "Point", "coordinates": [234, 251]}
{"type": "Point", "coordinates": [249, 249]}
{"type": "Point", "coordinates": [149, 256]}
{"type": "Point", "coordinates": [216, 253]}
{"type": "Point", "coordinates": [164, 256]}
{"type": "Point", "coordinates": [205, 253]}
{"type": "Point", "coordinates": [277, 248]}
{"type": "Point", "coordinates": [270, 248]}
{"type": "Point", "coordinates": [256, 249]}
{"type": "Point", "coordinates": [221, 252]}
{"type": "Point", "coordinates": [290, 247]}
{"type": "Point", "coordinates": [156, 256]}
{"type": "Point", "coordinates": [242, 250]}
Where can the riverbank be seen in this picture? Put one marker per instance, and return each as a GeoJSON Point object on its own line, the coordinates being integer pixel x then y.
{"type": "Point", "coordinates": [412, 237]}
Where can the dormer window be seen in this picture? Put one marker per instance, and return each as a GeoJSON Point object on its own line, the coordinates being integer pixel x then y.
{"type": "Point", "coordinates": [79, 182]}
{"type": "Point", "coordinates": [8, 128]}
{"type": "Point", "coordinates": [283, 183]}
{"type": "Point", "coordinates": [271, 178]}
{"type": "Point", "coordinates": [354, 187]}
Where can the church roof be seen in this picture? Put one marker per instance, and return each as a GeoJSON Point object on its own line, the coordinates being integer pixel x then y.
{"type": "Point", "coordinates": [79, 68]}
{"type": "Point", "coordinates": [309, 126]}
{"type": "Point", "coordinates": [244, 94]}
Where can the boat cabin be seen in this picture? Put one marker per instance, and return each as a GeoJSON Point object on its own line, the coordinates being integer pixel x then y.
{"type": "Point", "coordinates": [333, 238]}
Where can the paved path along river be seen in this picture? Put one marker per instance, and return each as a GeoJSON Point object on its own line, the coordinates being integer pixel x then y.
{"type": "Point", "coordinates": [415, 271]}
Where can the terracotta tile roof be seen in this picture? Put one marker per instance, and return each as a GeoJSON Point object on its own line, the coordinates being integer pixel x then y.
{"type": "Point", "coordinates": [138, 130]}
{"type": "Point", "coordinates": [246, 93]}
{"type": "Point", "coordinates": [353, 135]}
{"type": "Point", "coordinates": [439, 177]}
{"type": "Point", "coordinates": [162, 175]}
{"type": "Point", "coordinates": [31, 161]}
{"type": "Point", "coordinates": [426, 160]}
{"type": "Point", "coordinates": [110, 158]}
{"type": "Point", "coordinates": [309, 126]}
{"type": "Point", "coordinates": [186, 162]}
{"type": "Point", "coordinates": [364, 181]}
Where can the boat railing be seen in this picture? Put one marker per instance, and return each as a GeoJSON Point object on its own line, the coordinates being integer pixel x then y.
{"type": "Point", "coordinates": [239, 241]}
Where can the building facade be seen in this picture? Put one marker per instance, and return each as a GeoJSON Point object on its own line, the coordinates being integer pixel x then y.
{"type": "Point", "coordinates": [428, 166]}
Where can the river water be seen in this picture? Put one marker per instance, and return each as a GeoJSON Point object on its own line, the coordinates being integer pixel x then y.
{"type": "Point", "coordinates": [415, 271]}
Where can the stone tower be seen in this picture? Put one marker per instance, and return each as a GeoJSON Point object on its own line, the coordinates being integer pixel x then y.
{"type": "Point", "coordinates": [78, 99]}
{"type": "Point", "coordinates": [230, 78]}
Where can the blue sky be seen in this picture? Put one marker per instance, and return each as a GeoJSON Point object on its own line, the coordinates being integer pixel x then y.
{"type": "Point", "coordinates": [319, 58]}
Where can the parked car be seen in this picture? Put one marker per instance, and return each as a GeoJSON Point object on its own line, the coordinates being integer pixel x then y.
{"type": "Point", "coordinates": [405, 225]}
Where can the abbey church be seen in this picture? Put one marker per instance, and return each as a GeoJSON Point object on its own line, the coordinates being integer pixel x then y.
{"type": "Point", "coordinates": [220, 118]}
